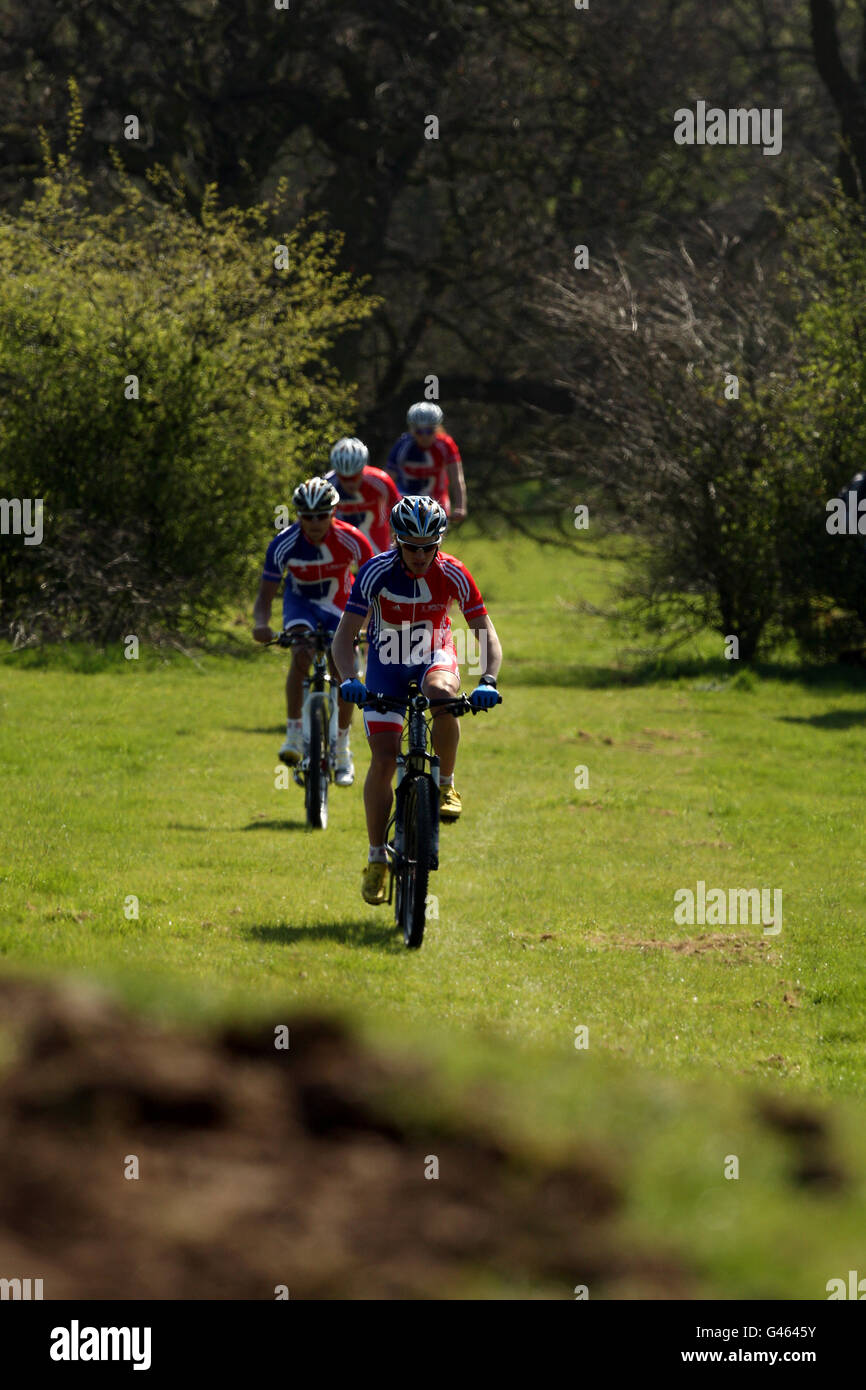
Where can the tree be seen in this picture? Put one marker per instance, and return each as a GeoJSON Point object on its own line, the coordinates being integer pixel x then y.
{"type": "Point", "coordinates": [847, 90]}
{"type": "Point", "coordinates": [555, 127]}
{"type": "Point", "coordinates": [163, 384]}
{"type": "Point", "coordinates": [682, 458]}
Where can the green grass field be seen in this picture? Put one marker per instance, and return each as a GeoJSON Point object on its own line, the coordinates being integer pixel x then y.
{"type": "Point", "coordinates": [155, 778]}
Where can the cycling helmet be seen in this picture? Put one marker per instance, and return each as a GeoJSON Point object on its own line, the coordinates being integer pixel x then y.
{"type": "Point", "coordinates": [349, 456]}
{"type": "Point", "coordinates": [315, 495]}
{"type": "Point", "coordinates": [414, 518]}
{"type": "Point", "coordinates": [424, 415]}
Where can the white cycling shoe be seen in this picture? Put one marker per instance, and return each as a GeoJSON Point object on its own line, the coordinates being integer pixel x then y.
{"type": "Point", "coordinates": [293, 749]}
{"type": "Point", "coordinates": [344, 773]}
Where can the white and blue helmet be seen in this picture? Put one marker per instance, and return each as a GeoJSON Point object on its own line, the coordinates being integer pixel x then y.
{"type": "Point", "coordinates": [349, 456]}
{"type": "Point", "coordinates": [424, 415]}
{"type": "Point", "coordinates": [315, 495]}
{"type": "Point", "coordinates": [418, 518]}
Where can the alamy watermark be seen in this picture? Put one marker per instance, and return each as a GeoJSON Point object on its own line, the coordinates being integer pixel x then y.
{"type": "Point", "coordinates": [415, 644]}
{"type": "Point", "coordinates": [24, 1289]}
{"type": "Point", "coordinates": [716, 907]}
{"type": "Point", "coordinates": [846, 515]}
{"type": "Point", "coordinates": [855, 1287]}
{"type": "Point", "coordinates": [22, 516]}
{"type": "Point", "coordinates": [737, 126]}
{"type": "Point", "coordinates": [77, 1343]}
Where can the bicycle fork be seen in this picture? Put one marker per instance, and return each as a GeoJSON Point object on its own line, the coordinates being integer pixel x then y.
{"type": "Point", "coordinates": [309, 710]}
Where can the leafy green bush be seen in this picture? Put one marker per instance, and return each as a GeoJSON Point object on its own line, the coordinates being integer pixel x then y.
{"type": "Point", "coordinates": [164, 382]}
{"type": "Point", "coordinates": [820, 428]}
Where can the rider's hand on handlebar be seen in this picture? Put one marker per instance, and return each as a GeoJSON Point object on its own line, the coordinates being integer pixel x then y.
{"type": "Point", "coordinates": [484, 696]}
{"type": "Point", "coordinates": [354, 691]}
{"type": "Point", "coordinates": [263, 634]}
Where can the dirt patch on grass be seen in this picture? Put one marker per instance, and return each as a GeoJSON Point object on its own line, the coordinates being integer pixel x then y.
{"type": "Point", "coordinates": [259, 1167]}
{"type": "Point", "coordinates": [743, 948]}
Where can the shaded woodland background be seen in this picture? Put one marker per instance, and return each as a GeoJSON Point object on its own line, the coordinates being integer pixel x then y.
{"type": "Point", "coordinates": [451, 257]}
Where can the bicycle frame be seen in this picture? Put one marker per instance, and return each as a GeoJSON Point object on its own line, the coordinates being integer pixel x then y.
{"type": "Point", "coordinates": [319, 711]}
{"type": "Point", "coordinates": [318, 690]}
{"type": "Point", "coordinates": [415, 762]}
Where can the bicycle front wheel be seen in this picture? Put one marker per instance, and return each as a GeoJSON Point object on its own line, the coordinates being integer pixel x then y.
{"type": "Point", "coordinates": [316, 781]}
{"type": "Point", "coordinates": [418, 841]}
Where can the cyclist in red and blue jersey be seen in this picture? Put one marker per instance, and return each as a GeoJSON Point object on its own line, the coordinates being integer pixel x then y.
{"type": "Point", "coordinates": [426, 462]}
{"type": "Point", "coordinates": [405, 594]}
{"type": "Point", "coordinates": [315, 554]}
{"type": "Point", "coordinates": [367, 494]}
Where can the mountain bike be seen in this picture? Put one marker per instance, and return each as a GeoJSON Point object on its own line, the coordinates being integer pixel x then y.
{"type": "Point", "coordinates": [413, 849]}
{"type": "Point", "coordinates": [318, 724]}
{"type": "Point", "coordinates": [316, 769]}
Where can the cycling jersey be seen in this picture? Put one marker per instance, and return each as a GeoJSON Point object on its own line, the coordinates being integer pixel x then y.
{"type": "Point", "coordinates": [319, 573]}
{"type": "Point", "coordinates": [367, 503]}
{"type": "Point", "coordinates": [423, 472]}
{"type": "Point", "coordinates": [405, 606]}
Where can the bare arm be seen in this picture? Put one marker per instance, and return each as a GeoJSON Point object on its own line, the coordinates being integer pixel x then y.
{"type": "Point", "coordinates": [342, 649]}
{"type": "Point", "coordinates": [491, 648]}
{"type": "Point", "coordinates": [262, 610]}
{"type": "Point", "coordinates": [457, 492]}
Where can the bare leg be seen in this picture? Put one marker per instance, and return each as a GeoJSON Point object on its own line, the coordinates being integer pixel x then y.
{"type": "Point", "coordinates": [446, 728]}
{"type": "Point", "coordinates": [378, 794]}
{"type": "Point", "coordinates": [346, 710]}
{"type": "Point", "coordinates": [300, 665]}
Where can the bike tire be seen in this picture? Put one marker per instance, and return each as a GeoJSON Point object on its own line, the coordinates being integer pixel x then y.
{"type": "Point", "coordinates": [418, 840]}
{"type": "Point", "coordinates": [316, 780]}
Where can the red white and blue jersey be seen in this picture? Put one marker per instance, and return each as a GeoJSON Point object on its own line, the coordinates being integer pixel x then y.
{"type": "Point", "coordinates": [423, 472]}
{"type": "Point", "coordinates": [400, 600]}
{"type": "Point", "coordinates": [367, 503]}
{"type": "Point", "coordinates": [320, 573]}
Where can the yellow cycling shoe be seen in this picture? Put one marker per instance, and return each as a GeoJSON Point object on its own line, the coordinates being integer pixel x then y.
{"type": "Point", "coordinates": [373, 883]}
{"type": "Point", "coordinates": [450, 804]}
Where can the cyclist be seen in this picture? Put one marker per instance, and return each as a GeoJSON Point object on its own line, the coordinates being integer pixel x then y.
{"type": "Point", "coordinates": [425, 461]}
{"type": "Point", "coordinates": [315, 553]}
{"type": "Point", "coordinates": [407, 592]}
{"type": "Point", "coordinates": [367, 494]}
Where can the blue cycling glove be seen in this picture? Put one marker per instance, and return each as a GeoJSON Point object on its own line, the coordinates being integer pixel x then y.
{"type": "Point", "coordinates": [484, 696]}
{"type": "Point", "coordinates": [354, 691]}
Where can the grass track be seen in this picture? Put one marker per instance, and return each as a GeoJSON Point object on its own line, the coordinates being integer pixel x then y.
{"type": "Point", "coordinates": [555, 905]}
{"type": "Point", "coordinates": [156, 778]}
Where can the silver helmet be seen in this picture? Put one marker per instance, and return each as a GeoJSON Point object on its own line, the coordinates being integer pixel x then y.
{"type": "Point", "coordinates": [424, 415]}
{"type": "Point", "coordinates": [349, 456]}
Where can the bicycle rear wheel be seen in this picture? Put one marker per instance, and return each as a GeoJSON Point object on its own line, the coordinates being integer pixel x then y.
{"type": "Point", "coordinates": [316, 780]}
{"type": "Point", "coordinates": [415, 870]}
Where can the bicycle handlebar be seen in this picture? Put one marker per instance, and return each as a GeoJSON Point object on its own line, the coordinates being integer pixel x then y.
{"type": "Point", "coordinates": [306, 636]}
{"type": "Point", "coordinates": [383, 704]}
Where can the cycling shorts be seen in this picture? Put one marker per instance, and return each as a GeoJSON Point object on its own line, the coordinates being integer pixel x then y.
{"type": "Point", "coordinates": [302, 612]}
{"type": "Point", "coordinates": [392, 679]}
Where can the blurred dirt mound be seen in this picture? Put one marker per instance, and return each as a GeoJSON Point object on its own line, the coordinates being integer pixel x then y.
{"type": "Point", "coordinates": [261, 1167]}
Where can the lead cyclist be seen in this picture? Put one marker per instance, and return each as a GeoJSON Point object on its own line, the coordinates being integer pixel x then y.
{"type": "Point", "coordinates": [404, 596]}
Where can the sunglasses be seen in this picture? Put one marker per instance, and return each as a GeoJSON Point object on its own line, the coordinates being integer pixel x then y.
{"type": "Point", "coordinates": [313, 516]}
{"type": "Point", "coordinates": [416, 548]}
{"type": "Point", "coordinates": [424, 431]}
